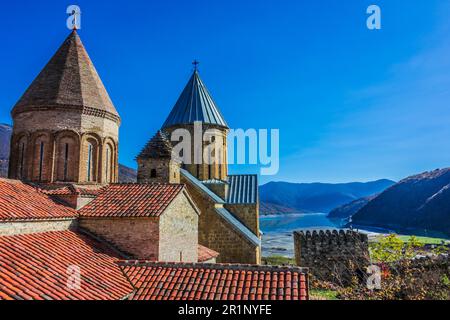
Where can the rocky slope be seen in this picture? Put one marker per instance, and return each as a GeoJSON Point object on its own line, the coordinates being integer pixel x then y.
{"type": "Point", "coordinates": [126, 174]}
{"type": "Point", "coordinates": [347, 210]}
{"type": "Point", "coordinates": [417, 202]}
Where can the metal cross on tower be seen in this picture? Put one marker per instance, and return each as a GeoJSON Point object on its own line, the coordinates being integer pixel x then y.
{"type": "Point", "coordinates": [195, 63]}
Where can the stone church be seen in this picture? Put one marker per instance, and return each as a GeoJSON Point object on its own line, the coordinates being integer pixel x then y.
{"type": "Point", "coordinates": [65, 144]}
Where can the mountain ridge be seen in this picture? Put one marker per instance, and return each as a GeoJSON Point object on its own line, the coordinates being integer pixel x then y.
{"type": "Point", "coordinates": [318, 197]}
{"type": "Point", "coordinates": [421, 201]}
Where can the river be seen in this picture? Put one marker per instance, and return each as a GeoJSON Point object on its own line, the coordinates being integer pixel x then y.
{"type": "Point", "coordinates": [278, 239]}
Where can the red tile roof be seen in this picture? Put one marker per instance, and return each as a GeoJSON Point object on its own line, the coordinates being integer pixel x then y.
{"type": "Point", "coordinates": [132, 200]}
{"type": "Point", "coordinates": [35, 267]}
{"type": "Point", "coordinates": [176, 281]}
{"type": "Point", "coordinates": [69, 189]}
{"type": "Point", "coordinates": [19, 201]}
{"type": "Point", "coordinates": [205, 254]}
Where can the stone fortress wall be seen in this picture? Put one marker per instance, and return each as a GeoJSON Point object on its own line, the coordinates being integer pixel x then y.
{"type": "Point", "coordinates": [332, 255]}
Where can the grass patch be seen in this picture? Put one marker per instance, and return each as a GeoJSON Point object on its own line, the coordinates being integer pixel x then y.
{"type": "Point", "coordinates": [425, 240]}
{"type": "Point", "coordinates": [278, 261]}
{"type": "Point", "coordinates": [317, 294]}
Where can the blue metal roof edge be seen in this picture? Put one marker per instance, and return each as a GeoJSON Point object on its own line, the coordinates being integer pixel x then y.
{"type": "Point", "coordinates": [224, 213]}
{"type": "Point", "coordinates": [202, 187]}
{"type": "Point", "coordinates": [238, 183]}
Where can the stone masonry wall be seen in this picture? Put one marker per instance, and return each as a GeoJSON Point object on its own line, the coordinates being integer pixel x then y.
{"type": "Point", "coordinates": [28, 227]}
{"type": "Point", "coordinates": [167, 171]}
{"type": "Point", "coordinates": [248, 214]}
{"type": "Point", "coordinates": [220, 189]}
{"type": "Point", "coordinates": [178, 229]}
{"type": "Point", "coordinates": [332, 255]}
{"type": "Point", "coordinates": [219, 235]}
{"type": "Point", "coordinates": [138, 237]}
{"type": "Point", "coordinates": [205, 171]}
{"type": "Point", "coordinates": [56, 128]}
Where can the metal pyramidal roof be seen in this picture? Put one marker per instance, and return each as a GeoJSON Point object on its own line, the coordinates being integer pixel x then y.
{"type": "Point", "coordinates": [195, 104]}
{"type": "Point", "coordinates": [70, 80]}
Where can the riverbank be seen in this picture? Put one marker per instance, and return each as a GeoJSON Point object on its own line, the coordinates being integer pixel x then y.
{"type": "Point", "coordinates": [277, 239]}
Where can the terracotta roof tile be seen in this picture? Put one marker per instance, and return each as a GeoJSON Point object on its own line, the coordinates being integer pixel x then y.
{"type": "Point", "coordinates": [205, 254]}
{"type": "Point", "coordinates": [54, 189]}
{"type": "Point", "coordinates": [132, 200]}
{"type": "Point", "coordinates": [177, 281]}
{"type": "Point", "coordinates": [19, 201]}
{"type": "Point", "coordinates": [36, 266]}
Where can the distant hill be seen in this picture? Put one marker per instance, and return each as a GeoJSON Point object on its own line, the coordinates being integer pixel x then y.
{"type": "Point", "coordinates": [317, 197]}
{"type": "Point", "coordinates": [5, 136]}
{"type": "Point", "coordinates": [125, 174]}
{"type": "Point", "coordinates": [349, 209]}
{"type": "Point", "coordinates": [274, 209]}
{"type": "Point", "coordinates": [421, 201]}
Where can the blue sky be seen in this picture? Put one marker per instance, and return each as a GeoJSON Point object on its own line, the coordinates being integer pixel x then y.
{"type": "Point", "coordinates": [351, 104]}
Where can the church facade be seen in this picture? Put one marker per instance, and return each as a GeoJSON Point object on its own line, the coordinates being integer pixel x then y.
{"type": "Point", "coordinates": [229, 223]}
{"type": "Point", "coordinates": [65, 143]}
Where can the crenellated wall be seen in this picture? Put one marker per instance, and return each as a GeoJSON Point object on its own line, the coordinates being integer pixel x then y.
{"type": "Point", "coordinates": [332, 255]}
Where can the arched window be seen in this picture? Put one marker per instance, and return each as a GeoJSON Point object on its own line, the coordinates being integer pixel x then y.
{"type": "Point", "coordinates": [109, 163]}
{"type": "Point", "coordinates": [66, 161]}
{"type": "Point", "coordinates": [22, 158]}
{"type": "Point", "coordinates": [67, 150]}
{"type": "Point", "coordinates": [90, 163]}
{"type": "Point", "coordinates": [20, 173]}
{"type": "Point", "coordinates": [90, 155]}
{"type": "Point", "coordinates": [41, 160]}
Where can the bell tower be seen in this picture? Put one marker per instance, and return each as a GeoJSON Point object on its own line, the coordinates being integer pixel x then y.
{"type": "Point", "coordinates": [196, 108]}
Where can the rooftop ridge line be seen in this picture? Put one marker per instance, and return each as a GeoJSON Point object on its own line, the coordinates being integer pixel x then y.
{"type": "Point", "coordinates": [216, 266]}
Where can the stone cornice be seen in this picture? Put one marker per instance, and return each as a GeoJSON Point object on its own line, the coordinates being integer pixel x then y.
{"type": "Point", "coordinates": [82, 109]}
